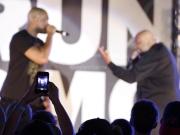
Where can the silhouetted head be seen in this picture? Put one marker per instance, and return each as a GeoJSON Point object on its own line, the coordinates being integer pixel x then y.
{"type": "Point", "coordinates": [144, 116]}
{"type": "Point", "coordinates": [44, 116]}
{"type": "Point", "coordinates": [95, 126]}
{"type": "Point", "coordinates": [37, 127]}
{"type": "Point", "coordinates": [170, 122]}
{"type": "Point", "coordinates": [124, 126]}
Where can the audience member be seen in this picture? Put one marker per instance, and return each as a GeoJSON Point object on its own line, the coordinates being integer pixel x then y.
{"type": "Point", "coordinates": [14, 118]}
{"type": "Point", "coordinates": [123, 125]}
{"type": "Point", "coordinates": [95, 126]}
{"type": "Point", "coordinates": [44, 116]}
{"type": "Point", "coordinates": [37, 127]}
{"type": "Point", "coordinates": [116, 130]}
{"type": "Point", "coordinates": [170, 122]}
{"type": "Point", "coordinates": [55, 129]}
{"type": "Point", "coordinates": [25, 117]}
{"type": "Point", "coordinates": [48, 118]}
{"type": "Point", "coordinates": [144, 117]}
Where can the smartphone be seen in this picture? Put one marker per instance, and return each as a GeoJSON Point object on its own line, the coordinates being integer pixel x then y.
{"type": "Point", "coordinates": [42, 81]}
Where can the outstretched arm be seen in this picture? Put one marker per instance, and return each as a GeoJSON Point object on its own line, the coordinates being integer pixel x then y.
{"type": "Point", "coordinates": [14, 118]}
{"type": "Point", "coordinates": [63, 118]}
{"type": "Point", "coordinates": [121, 73]}
{"type": "Point", "coordinates": [144, 68]}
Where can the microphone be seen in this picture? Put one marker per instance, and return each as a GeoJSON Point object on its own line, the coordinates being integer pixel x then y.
{"type": "Point", "coordinates": [129, 63]}
{"type": "Point", "coordinates": [133, 57]}
{"type": "Point", "coordinates": [63, 33]}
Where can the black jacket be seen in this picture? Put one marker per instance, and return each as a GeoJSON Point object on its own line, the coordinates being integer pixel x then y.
{"type": "Point", "coordinates": [156, 75]}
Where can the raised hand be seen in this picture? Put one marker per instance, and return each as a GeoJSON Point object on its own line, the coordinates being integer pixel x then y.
{"type": "Point", "coordinates": [135, 53]}
{"type": "Point", "coordinates": [50, 29]}
{"type": "Point", "coordinates": [105, 54]}
{"type": "Point", "coordinates": [53, 92]}
{"type": "Point", "coordinates": [63, 118]}
{"type": "Point", "coordinates": [30, 94]}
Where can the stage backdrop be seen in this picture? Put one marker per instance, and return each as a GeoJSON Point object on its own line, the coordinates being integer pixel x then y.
{"type": "Point", "coordinates": [87, 87]}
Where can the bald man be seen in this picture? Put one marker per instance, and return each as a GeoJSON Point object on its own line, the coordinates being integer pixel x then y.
{"type": "Point", "coordinates": [28, 55]}
{"type": "Point", "coordinates": [156, 72]}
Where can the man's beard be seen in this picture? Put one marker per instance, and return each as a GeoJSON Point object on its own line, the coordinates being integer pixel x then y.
{"type": "Point", "coordinates": [41, 31]}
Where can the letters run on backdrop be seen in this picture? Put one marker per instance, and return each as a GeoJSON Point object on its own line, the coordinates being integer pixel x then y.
{"type": "Point", "coordinates": [87, 87]}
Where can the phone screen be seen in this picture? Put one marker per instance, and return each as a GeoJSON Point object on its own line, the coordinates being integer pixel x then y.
{"type": "Point", "coordinates": [42, 83]}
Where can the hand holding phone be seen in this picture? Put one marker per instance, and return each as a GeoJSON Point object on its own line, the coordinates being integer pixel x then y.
{"type": "Point", "coordinates": [53, 93]}
{"type": "Point", "coordinates": [31, 94]}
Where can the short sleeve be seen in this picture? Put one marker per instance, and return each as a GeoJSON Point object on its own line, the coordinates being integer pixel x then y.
{"type": "Point", "coordinates": [21, 43]}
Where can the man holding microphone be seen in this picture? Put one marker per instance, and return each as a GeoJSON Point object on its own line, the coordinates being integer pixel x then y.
{"type": "Point", "coordinates": [28, 55]}
{"type": "Point", "coordinates": [156, 72]}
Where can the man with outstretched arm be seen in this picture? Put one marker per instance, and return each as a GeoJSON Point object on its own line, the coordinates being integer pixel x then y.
{"type": "Point", "coordinates": [156, 71]}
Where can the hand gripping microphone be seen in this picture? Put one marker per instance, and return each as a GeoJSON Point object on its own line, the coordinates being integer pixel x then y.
{"type": "Point", "coordinates": [134, 55]}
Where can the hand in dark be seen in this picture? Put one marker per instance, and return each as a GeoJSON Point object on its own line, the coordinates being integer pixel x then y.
{"type": "Point", "coordinates": [31, 95]}
{"type": "Point", "coordinates": [53, 92]}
